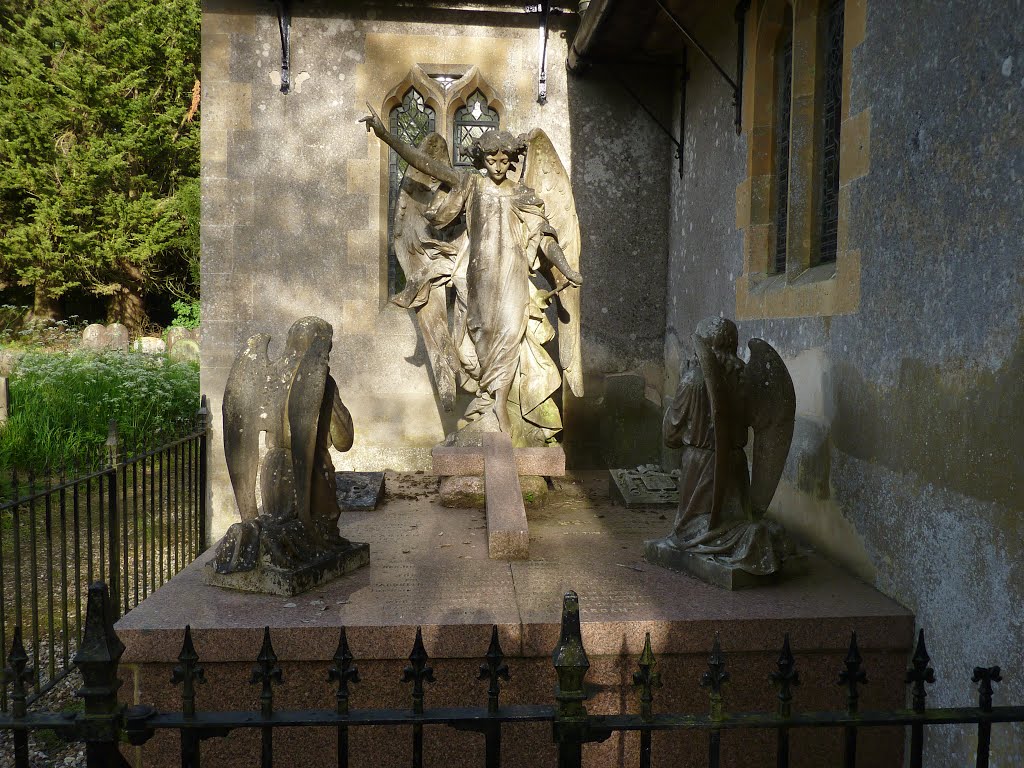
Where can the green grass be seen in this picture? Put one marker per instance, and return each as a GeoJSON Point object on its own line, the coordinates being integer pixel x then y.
{"type": "Point", "coordinates": [62, 402]}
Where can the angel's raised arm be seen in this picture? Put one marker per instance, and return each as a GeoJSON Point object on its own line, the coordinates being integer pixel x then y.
{"type": "Point", "coordinates": [415, 157]}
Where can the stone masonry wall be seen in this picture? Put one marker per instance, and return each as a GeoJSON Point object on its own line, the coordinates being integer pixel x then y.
{"type": "Point", "coordinates": [294, 205]}
{"type": "Point", "coordinates": [906, 463]}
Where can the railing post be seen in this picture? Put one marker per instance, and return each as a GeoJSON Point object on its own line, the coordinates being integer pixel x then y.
{"type": "Point", "coordinates": [571, 665]}
{"type": "Point", "coordinates": [113, 520]}
{"type": "Point", "coordinates": [416, 673]}
{"type": "Point", "coordinates": [266, 673]}
{"type": "Point", "coordinates": [852, 677]}
{"type": "Point", "coordinates": [18, 675]}
{"type": "Point", "coordinates": [494, 670]}
{"type": "Point", "coordinates": [188, 672]}
{"type": "Point", "coordinates": [919, 674]}
{"type": "Point", "coordinates": [715, 677]}
{"type": "Point", "coordinates": [985, 676]}
{"type": "Point", "coordinates": [204, 440]}
{"type": "Point", "coordinates": [100, 726]}
{"type": "Point", "coordinates": [343, 672]}
{"type": "Point", "coordinates": [646, 679]}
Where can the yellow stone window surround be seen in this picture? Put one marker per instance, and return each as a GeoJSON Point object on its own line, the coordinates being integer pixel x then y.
{"type": "Point", "coordinates": [805, 288]}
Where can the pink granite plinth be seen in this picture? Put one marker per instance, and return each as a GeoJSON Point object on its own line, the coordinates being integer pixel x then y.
{"type": "Point", "coordinates": [430, 568]}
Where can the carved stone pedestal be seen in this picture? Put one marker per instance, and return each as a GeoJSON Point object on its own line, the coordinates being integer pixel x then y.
{"type": "Point", "coordinates": [708, 569]}
{"type": "Point", "coordinates": [272, 580]}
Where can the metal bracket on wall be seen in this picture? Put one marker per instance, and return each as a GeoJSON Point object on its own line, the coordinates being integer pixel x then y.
{"type": "Point", "coordinates": [683, 80]}
{"type": "Point", "coordinates": [677, 142]}
{"type": "Point", "coordinates": [737, 85]}
{"type": "Point", "coordinates": [546, 11]}
{"type": "Point", "coordinates": [284, 23]}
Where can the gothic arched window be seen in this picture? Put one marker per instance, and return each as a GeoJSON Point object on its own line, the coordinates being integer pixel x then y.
{"type": "Point", "coordinates": [831, 31]}
{"type": "Point", "coordinates": [783, 111]}
{"type": "Point", "coordinates": [411, 121]}
{"type": "Point", "coordinates": [471, 121]}
{"type": "Point", "coordinates": [452, 100]}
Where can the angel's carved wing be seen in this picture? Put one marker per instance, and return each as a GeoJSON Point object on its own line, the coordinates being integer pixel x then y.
{"type": "Point", "coordinates": [546, 175]}
{"type": "Point", "coordinates": [309, 345]}
{"type": "Point", "coordinates": [417, 243]}
{"type": "Point", "coordinates": [247, 410]}
{"type": "Point", "coordinates": [771, 401]}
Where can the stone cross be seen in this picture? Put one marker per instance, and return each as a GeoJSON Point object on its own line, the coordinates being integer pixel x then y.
{"type": "Point", "coordinates": [508, 536]}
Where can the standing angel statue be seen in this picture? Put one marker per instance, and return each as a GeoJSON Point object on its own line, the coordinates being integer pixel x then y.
{"type": "Point", "coordinates": [519, 221]}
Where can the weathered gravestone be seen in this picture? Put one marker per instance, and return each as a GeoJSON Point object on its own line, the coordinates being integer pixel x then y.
{"type": "Point", "coordinates": [117, 337]}
{"type": "Point", "coordinates": [184, 350]}
{"type": "Point", "coordinates": [94, 337]}
{"type": "Point", "coordinates": [359, 491]}
{"type": "Point", "coordinates": [150, 345]}
{"type": "Point", "coordinates": [175, 334]}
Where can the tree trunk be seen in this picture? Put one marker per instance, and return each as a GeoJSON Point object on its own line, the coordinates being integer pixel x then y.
{"type": "Point", "coordinates": [126, 303]}
{"type": "Point", "coordinates": [45, 306]}
{"type": "Point", "coordinates": [126, 306]}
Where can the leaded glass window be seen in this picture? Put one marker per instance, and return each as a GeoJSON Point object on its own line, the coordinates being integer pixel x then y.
{"type": "Point", "coordinates": [411, 121]}
{"type": "Point", "coordinates": [471, 122]}
{"type": "Point", "coordinates": [831, 121]}
{"type": "Point", "coordinates": [783, 104]}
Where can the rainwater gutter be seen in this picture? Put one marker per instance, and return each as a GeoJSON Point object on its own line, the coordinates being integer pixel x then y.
{"type": "Point", "coordinates": [590, 22]}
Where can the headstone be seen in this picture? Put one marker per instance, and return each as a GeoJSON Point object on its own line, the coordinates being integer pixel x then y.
{"type": "Point", "coordinates": [358, 491]}
{"type": "Point", "coordinates": [184, 350]}
{"type": "Point", "coordinates": [94, 337]}
{"type": "Point", "coordinates": [4, 400]}
{"type": "Point", "coordinates": [8, 361]}
{"type": "Point", "coordinates": [150, 345]}
{"type": "Point", "coordinates": [175, 334]}
{"type": "Point", "coordinates": [646, 486]}
{"type": "Point", "coordinates": [117, 337]}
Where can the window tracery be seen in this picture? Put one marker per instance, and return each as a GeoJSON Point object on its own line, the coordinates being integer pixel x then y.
{"type": "Point", "coordinates": [434, 99]}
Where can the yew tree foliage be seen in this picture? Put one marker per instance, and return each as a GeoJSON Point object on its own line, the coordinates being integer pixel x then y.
{"type": "Point", "coordinates": [99, 154]}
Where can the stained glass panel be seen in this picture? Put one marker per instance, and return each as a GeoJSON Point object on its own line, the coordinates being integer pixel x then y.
{"type": "Point", "coordinates": [411, 121]}
{"type": "Point", "coordinates": [832, 101]}
{"type": "Point", "coordinates": [783, 104]}
{"type": "Point", "coordinates": [471, 121]}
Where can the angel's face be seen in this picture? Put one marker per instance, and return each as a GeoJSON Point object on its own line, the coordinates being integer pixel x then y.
{"type": "Point", "coordinates": [496, 166]}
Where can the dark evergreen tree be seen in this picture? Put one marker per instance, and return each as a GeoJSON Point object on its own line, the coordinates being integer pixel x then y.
{"type": "Point", "coordinates": [99, 149]}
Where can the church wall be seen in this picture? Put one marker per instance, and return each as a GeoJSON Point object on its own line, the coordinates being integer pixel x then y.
{"type": "Point", "coordinates": [906, 463]}
{"type": "Point", "coordinates": [295, 200]}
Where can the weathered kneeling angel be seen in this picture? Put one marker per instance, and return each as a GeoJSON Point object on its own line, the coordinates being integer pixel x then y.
{"type": "Point", "coordinates": [291, 543]}
{"type": "Point", "coordinates": [720, 533]}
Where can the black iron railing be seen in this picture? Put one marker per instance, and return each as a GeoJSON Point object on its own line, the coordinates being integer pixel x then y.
{"type": "Point", "coordinates": [105, 723]}
{"type": "Point", "coordinates": [133, 523]}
